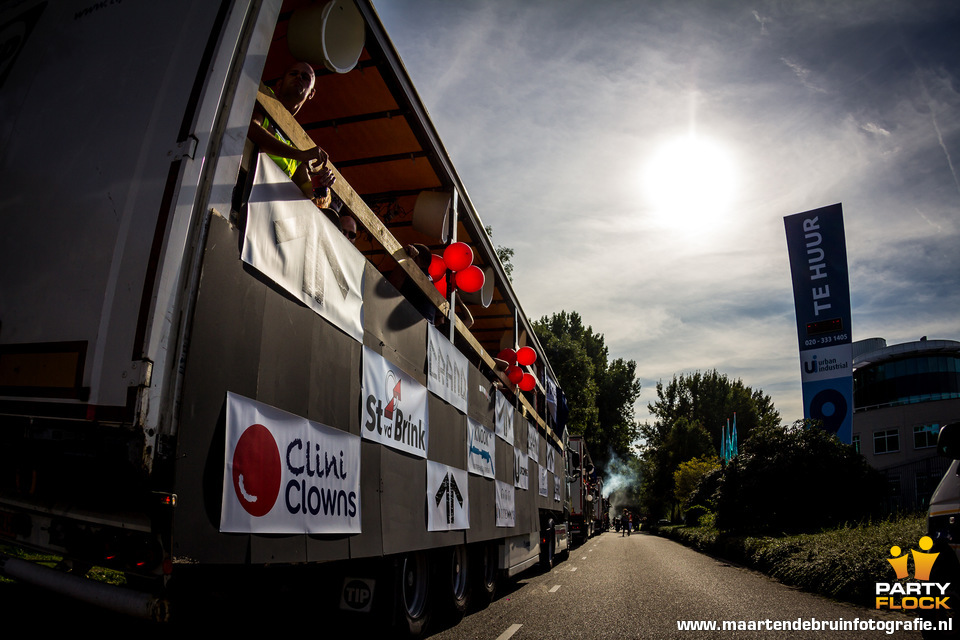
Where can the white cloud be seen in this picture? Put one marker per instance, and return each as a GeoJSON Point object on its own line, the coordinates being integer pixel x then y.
{"type": "Point", "coordinates": [550, 109]}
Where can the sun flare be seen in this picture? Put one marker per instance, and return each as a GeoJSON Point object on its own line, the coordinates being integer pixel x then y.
{"type": "Point", "coordinates": [690, 183]}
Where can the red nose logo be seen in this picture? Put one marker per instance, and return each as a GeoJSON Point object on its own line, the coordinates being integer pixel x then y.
{"type": "Point", "coordinates": [256, 470]}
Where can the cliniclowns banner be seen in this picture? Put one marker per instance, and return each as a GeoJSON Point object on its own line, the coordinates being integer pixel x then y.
{"type": "Point", "coordinates": [821, 290]}
{"type": "Point", "coordinates": [286, 474]}
{"type": "Point", "coordinates": [291, 242]}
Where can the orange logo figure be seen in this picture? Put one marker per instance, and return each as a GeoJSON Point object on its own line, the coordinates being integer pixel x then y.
{"type": "Point", "coordinates": [922, 562]}
{"type": "Point", "coordinates": [899, 564]}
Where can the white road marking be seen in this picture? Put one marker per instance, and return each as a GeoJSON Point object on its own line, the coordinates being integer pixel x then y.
{"type": "Point", "coordinates": [573, 568]}
{"type": "Point", "coordinates": [555, 588]}
{"type": "Point", "coordinates": [509, 632]}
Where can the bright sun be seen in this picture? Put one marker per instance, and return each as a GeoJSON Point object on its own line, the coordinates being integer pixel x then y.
{"type": "Point", "coordinates": [690, 183]}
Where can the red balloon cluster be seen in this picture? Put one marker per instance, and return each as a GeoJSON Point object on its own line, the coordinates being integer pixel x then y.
{"type": "Point", "coordinates": [458, 258]}
{"type": "Point", "coordinates": [522, 357]}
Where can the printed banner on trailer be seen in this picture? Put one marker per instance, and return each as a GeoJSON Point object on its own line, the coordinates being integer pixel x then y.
{"type": "Point", "coordinates": [395, 406]}
{"type": "Point", "coordinates": [481, 450]}
{"type": "Point", "coordinates": [286, 474]}
{"type": "Point", "coordinates": [544, 479]}
{"type": "Point", "coordinates": [506, 505]}
{"type": "Point", "coordinates": [291, 242]}
{"type": "Point", "coordinates": [521, 469]}
{"type": "Point", "coordinates": [446, 369]}
{"type": "Point", "coordinates": [504, 418]}
{"type": "Point", "coordinates": [533, 442]}
{"type": "Point", "coordinates": [448, 502]}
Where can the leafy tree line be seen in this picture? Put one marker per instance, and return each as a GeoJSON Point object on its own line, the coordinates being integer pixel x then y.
{"type": "Point", "coordinates": [689, 414]}
{"type": "Point", "coordinates": [785, 477]}
{"type": "Point", "coordinates": [600, 392]}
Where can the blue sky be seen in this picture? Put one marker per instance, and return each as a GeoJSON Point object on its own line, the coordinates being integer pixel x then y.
{"type": "Point", "coordinates": [640, 157]}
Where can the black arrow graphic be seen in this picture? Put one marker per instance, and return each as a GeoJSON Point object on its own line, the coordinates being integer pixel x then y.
{"type": "Point", "coordinates": [450, 488]}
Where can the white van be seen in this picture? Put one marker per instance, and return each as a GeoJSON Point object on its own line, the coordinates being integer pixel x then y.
{"type": "Point", "coordinates": [943, 522]}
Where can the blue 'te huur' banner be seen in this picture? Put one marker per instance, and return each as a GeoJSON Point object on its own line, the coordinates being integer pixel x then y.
{"type": "Point", "coordinates": [821, 292]}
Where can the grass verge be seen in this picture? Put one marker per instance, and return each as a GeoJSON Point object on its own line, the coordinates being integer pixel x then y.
{"type": "Point", "coordinates": [843, 563]}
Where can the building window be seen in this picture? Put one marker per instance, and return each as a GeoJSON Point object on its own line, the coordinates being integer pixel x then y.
{"type": "Point", "coordinates": [886, 441]}
{"type": "Point", "coordinates": [925, 436]}
{"type": "Point", "coordinates": [856, 442]}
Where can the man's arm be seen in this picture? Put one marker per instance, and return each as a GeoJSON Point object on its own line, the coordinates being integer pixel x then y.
{"type": "Point", "coordinates": [268, 143]}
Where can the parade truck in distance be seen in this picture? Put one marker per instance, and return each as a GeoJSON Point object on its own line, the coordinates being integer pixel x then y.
{"type": "Point", "coordinates": [207, 383]}
{"type": "Point", "coordinates": [585, 489]}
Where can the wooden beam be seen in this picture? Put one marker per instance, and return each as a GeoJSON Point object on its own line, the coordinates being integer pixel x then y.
{"type": "Point", "coordinates": [355, 204]}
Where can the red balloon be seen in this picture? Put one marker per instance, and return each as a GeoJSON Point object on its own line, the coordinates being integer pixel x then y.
{"type": "Point", "coordinates": [470, 280]}
{"type": "Point", "coordinates": [508, 355]}
{"type": "Point", "coordinates": [441, 285]}
{"type": "Point", "coordinates": [458, 256]}
{"type": "Point", "coordinates": [528, 382]}
{"type": "Point", "coordinates": [437, 266]}
{"type": "Point", "coordinates": [526, 356]}
{"type": "Point", "coordinates": [514, 374]}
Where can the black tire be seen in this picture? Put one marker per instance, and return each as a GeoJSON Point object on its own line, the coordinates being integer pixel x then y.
{"type": "Point", "coordinates": [484, 575]}
{"type": "Point", "coordinates": [412, 594]}
{"type": "Point", "coordinates": [547, 548]}
{"type": "Point", "coordinates": [452, 583]}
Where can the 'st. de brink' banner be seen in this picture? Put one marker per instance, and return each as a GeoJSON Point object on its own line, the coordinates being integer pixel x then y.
{"type": "Point", "coordinates": [821, 291]}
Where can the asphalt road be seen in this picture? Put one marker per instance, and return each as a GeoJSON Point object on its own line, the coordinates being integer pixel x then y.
{"type": "Point", "coordinates": [641, 586]}
{"type": "Point", "coordinates": [637, 587]}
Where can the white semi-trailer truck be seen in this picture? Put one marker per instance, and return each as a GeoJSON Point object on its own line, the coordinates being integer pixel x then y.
{"type": "Point", "coordinates": [205, 384]}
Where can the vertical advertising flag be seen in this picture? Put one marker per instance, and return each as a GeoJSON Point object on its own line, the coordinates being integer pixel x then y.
{"type": "Point", "coordinates": [821, 292]}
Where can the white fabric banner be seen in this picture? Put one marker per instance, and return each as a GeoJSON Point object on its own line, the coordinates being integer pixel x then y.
{"type": "Point", "coordinates": [543, 481]}
{"type": "Point", "coordinates": [551, 456]}
{"type": "Point", "coordinates": [556, 489]}
{"type": "Point", "coordinates": [551, 396]}
{"type": "Point", "coordinates": [446, 369]}
{"type": "Point", "coordinates": [395, 406]}
{"type": "Point", "coordinates": [506, 505]}
{"type": "Point", "coordinates": [481, 449]}
{"type": "Point", "coordinates": [286, 474]}
{"type": "Point", "coordinates": [521, 469]}
{"type": "Point", "coordinates": [533, 442]}
{"type": "Point", "coordinates": [448, 502]}
{"type": "Point", "coordinates": [289, 240]}
{"type": "Point", "coordinates": [504, 418]}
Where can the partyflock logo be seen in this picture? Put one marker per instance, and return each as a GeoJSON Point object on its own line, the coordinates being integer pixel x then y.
{"type": "Point", "coordinates": [919, 593]}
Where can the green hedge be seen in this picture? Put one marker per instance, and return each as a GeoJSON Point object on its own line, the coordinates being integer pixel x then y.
{"type": "Point", "coordinates": [842, 563]}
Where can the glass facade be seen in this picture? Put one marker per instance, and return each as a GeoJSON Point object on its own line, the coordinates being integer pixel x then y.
{"type": "Point", "coordinates": [907, 381]}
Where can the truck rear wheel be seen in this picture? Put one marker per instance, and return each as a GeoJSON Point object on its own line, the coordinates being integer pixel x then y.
{"type": "Point", "coordinates": [412, 594]}
{"type": "Point", "coordinates": [483, 574]}
{"type": "Point", "coordinates": [452, 586]}
{"type": "Point", "coordinates": [547, 546]}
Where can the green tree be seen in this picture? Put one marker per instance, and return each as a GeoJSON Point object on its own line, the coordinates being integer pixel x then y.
{"type": "Point", "coordinates": [711, 399]}
{"type": "Point", "coordinates": [796, 478]}
{"type": "Point", "coordinates": [504, 253]}
{"type": "Point", "coordinates": [689, 414]}
{"type": "Point", "coordinates": [600, 394]}
{"type": "Point", "coordinates": [688, 475]}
